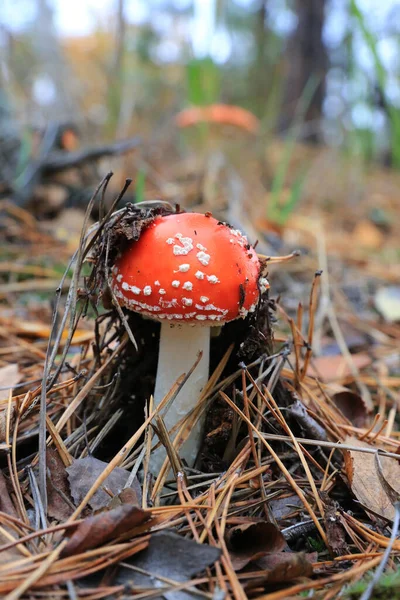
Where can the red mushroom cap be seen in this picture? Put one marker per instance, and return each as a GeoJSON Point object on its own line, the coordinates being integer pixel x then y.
{"type": "Point", "coordinates": [191, 268]}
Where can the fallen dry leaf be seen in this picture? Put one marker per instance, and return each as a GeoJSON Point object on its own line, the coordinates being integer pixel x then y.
{"type": "Point", "coordinates": [60, 504]}
{"type": "Point", "coordinates": [9, 377]}
{"type": "Point", "coordinates": [281, 567]}
{"type": "Point", "coordinates": [83, 473]}
{"type": "Point", "coordinates": [172, 556]}
{"type": "Point", "coordinates": [351, 405]}
{"type": "Point", "coordinates": [101, 528]}
{"type": "Point", "coordinates": [364, 478]}
{"type": "Point", "coordinates": [335, 368]}
{"type": "Point", "coordinates": [251, 541]}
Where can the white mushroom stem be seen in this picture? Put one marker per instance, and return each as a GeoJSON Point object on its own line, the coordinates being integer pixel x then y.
{"type": "Point", "coordinates": [179, 349]}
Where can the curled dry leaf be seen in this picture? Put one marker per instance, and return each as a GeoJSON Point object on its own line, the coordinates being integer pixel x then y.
{"type": "Point", "coordinates": [251, 541]}
{"type": "Point", "coordinates": [101, 528]}
{"type": "Point", "coordinates": [365, 480]}
{"type": "Point", "coordinates": [282, 567]}
{"type": "Point", "coordinates": [351, 405]}
{"type": "Point", "coordinates": [83, 473]}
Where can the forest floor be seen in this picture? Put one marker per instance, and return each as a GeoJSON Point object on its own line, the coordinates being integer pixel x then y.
{"type": "Point", "coordinates": [296, 491]}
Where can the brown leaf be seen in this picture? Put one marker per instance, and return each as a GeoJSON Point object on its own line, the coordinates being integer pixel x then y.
{"type": "Point", "coordinates": [101, 528]}
{"type": "Point", "coordinates": [365, 481]}
{"type": "Point", "coordinates": [9, 377]}
{"type": "Point", "coordinates": [282, 567]}
{"type": "Point", "coordinates": [335, 368]}
{"type": "Point", "coordinates": [60, 504]}
{"type": "Point", "coordinates": [351, 405]}
{"type": "Point", "coordinates": [83, 473]}
{"type": "Point", "coordinates": [250, 541]}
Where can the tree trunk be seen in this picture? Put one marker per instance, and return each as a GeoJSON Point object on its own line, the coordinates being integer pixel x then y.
{"type": "Point", "coordinates": [306, 57]}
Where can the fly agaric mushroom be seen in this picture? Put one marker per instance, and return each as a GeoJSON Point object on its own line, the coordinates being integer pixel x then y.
{"type": "Point", "coordinates": [190, 272]}
{"type": "Point", "coordinates": [225, 114]}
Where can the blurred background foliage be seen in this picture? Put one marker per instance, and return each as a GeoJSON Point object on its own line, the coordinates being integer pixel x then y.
{"type": "Point", "coordinates": [324, 73]}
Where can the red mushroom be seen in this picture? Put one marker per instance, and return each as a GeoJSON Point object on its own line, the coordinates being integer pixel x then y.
{"type": "Point", "coordinates": [191, 272]}
{"type": "Point", "coordinates": [225, 114]}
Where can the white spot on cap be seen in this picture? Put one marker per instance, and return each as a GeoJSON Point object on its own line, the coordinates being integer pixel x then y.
{"type": "Point", "coordinates": [187, 245]}
{"type": "Point", "coordinates": [176, 283]}
{"type": "Point", "coordinates": [188, 285]}
{"type": "Point", "coordinates": [213, 307]}
{"type": "Point", "coordinates": [168, 303]}
{"type": "Point", "coordinates": [201, 317]}
{"type": "Point", "coordinates": [147, 290]}
{"type": "Point", "coordinates": [135, 290]}
{"type": "Point", "coordinates": [203, 258]}
{"type": "Point", "coordinates": [204, 299]}
{"type": "Point", "coordinates": [119, 277]}
{"type": "Point", "coordinates": [184, 268]}
{"type": "Point", "coordinates": [199, 275]}
{"type": "Point", "coordinates": [213, 279]}
{"type": "Point", "coordinates": [170, 241]}
{"type": "Point", "coordinates": [162, 291]}
{"type": "Point", "coordinates": [115, 269]}
{"type": "Point", "coordinates": [187, 301]}
{"type": "Point", "coordinates": [201, 247]}
{"type": "Point", "coordinates": [157, 282]}
{"type": "Point", "coordinates": [139, 306]}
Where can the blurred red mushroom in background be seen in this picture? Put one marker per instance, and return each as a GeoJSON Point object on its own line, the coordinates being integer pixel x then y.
{"type": "Point", "coordinates": [225, 114]}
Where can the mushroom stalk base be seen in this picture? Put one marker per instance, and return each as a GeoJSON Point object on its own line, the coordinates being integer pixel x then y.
{"type": "Point", "coordinates": [179, 348]}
